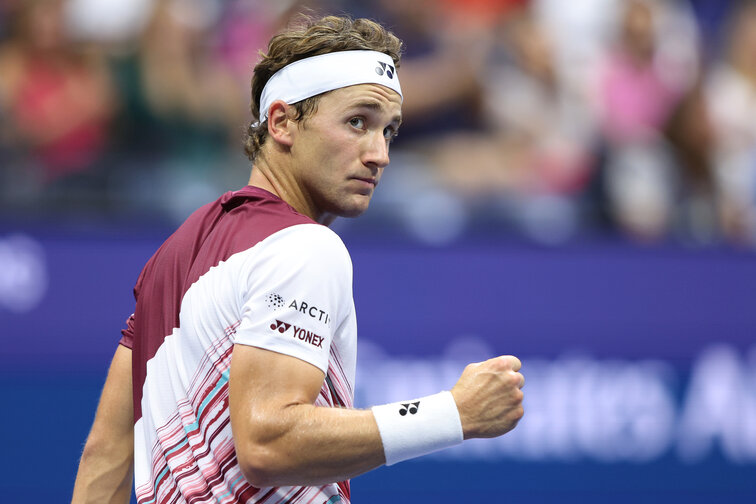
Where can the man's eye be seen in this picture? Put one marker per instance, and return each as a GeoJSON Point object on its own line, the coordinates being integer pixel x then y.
{"type": "Point", "coordinates": [357, 122]}
{"type": "Point", "coordinates": [389, 133]}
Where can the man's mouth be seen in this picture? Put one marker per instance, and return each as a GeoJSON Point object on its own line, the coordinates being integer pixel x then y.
{"type": "Point", "coordinates": [368, 180]}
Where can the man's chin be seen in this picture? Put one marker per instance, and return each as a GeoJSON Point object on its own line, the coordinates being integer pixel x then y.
{"type": "Point", "coordinates": [355, 209]}
{"type": "Point", "coordinates": [349, 210]}
{"type": "Point", "coordinates": [352, 213]}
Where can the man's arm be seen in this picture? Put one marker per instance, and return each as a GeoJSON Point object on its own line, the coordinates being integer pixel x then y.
{"type": "Point", "coordinates": [107, 464]}
{"type": "Point", "coordinates": [282, 439]}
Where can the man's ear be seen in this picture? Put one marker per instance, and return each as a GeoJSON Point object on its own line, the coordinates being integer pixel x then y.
{"type": "Point", "coordinates": [280, 123]}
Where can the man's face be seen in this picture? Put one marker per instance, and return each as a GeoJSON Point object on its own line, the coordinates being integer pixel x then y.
{"type": "Point", "coordinates": [340, 151]}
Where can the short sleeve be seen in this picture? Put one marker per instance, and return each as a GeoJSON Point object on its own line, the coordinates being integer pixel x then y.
{"type": "Point", "coordinates": [296, 291]}
{"type": "Point", "coordinates": [127, 334]}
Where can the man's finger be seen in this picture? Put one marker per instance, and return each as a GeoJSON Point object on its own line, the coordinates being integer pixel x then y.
{"type": "Point", "coordinates": [512, 362]}
{"type": "Point", "coordinates": [521, 379]}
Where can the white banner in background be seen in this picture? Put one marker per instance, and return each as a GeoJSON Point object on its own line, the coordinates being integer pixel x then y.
{"type": "Point", "coordinates": [581, 408]}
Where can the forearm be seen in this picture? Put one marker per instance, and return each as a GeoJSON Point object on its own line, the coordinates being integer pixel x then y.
{"type": "Point", "coordinates": [106, 466]}
{"type": "Point", "coordinates": [302, 444]}
{"type": "Point", "coordinates": [328, 444]}
{"type": "Point", "coordinates": [105, 472]}
{"type": "Point", "coordinates": [283, 439]}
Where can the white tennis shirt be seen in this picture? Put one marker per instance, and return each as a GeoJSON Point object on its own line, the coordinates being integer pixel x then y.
{"type": "Point", "coordinates": [246, 269]}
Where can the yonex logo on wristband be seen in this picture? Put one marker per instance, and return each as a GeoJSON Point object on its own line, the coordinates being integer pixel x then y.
{"type": "Point", "coordinates": [409, 407]}
{"type": "Point", "coordinates": [410, 434]}
{"type": "Point", "coordinates": [385, 68]}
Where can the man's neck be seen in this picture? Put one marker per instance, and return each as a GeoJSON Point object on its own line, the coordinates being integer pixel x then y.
{"type": "Point", "coordinates": [282, 184]}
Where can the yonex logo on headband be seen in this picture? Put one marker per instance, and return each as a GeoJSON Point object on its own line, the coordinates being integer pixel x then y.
{"type": "Point", "coordinates": [385, 67]}
{"type": "Point", "coordinates": [325, 72]}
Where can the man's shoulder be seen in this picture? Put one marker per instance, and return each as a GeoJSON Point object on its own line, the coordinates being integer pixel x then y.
{"type": "Point", "coordinates": [262, 227]}
{"type": "Point", "coordinates": [258, 217]}
{"type": "Point", "coordinates": [308, 239]}
{"type": "Point", "coordinates": [239, 219]}
{"type": "Point", "coordinates": [235, 222]}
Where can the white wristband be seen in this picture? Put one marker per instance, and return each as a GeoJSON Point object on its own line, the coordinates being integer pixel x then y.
{"type": "Point", "coordinates": [418, 427]}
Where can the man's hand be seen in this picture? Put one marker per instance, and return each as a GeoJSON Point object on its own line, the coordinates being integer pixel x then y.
{"type": "Point", "coordinates": [489, 398]}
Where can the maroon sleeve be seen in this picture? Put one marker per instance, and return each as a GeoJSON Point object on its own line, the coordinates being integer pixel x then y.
{"type": "Point", "coordinates": [127, 339]}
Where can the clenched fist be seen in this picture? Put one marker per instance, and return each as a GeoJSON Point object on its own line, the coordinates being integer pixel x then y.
{"type": "Point", "coordinates": [489, 397]}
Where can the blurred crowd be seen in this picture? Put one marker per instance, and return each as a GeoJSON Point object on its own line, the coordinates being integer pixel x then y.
{"type": "Point", "coordinates": [546, 118]}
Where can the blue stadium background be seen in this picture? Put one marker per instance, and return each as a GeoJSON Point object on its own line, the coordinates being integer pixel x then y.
{"type": "Point", "coordinates": [641, 362]}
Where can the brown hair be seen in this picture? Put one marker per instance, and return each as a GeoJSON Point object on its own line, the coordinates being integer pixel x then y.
{"type": "Point", "coordinates": [311, 37]}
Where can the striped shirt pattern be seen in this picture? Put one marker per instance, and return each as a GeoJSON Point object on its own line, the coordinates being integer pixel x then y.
{"type": "Point", "coordinates": [246, 269]}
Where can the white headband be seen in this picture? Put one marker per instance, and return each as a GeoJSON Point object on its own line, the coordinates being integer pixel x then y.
{"type": "Point", "coordinates": [311, 76]}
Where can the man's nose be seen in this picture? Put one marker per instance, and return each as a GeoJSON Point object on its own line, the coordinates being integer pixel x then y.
{"type": "Point", "coordinates": [376, 151]}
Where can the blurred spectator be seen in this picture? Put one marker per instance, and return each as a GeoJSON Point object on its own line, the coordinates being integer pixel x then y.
{"type": "Point", "coordinates": [642, 78]}
{"type": "Point", "coordinates": [108, 22]}
{"type": "Point", "coordinates": [190, 96]}
{"type": "Point", "coordinates": [245, 28]}
{"type": "Point", "coordinates": [530, 157]}
{"type": "Point", "coordinates": [534, 113]}
{"type": "Point", "coordinates": [641, 81]}
{"type": "Point", "coordinates": [538, 119]}
{"type": "Point", "coordinates": [690, 135]}
{"type": "Point", "coordinates": [581, 31]}
{"type": "Point", "coordinates": [183, 112]}
{"type": "Point", "coordinates": [731, 91]}
{"type": "Point", "coordinates": [445, 51]}
{"type": "Point", "coordinates": [56, 100]}
{"type": "Point", "coordinates": [447, 48]}
{"type": "Point", "coordinates": [185, 93]}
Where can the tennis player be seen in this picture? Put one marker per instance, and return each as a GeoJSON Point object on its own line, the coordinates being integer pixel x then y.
{"type": "Point", "coordinates": [233, 381]}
